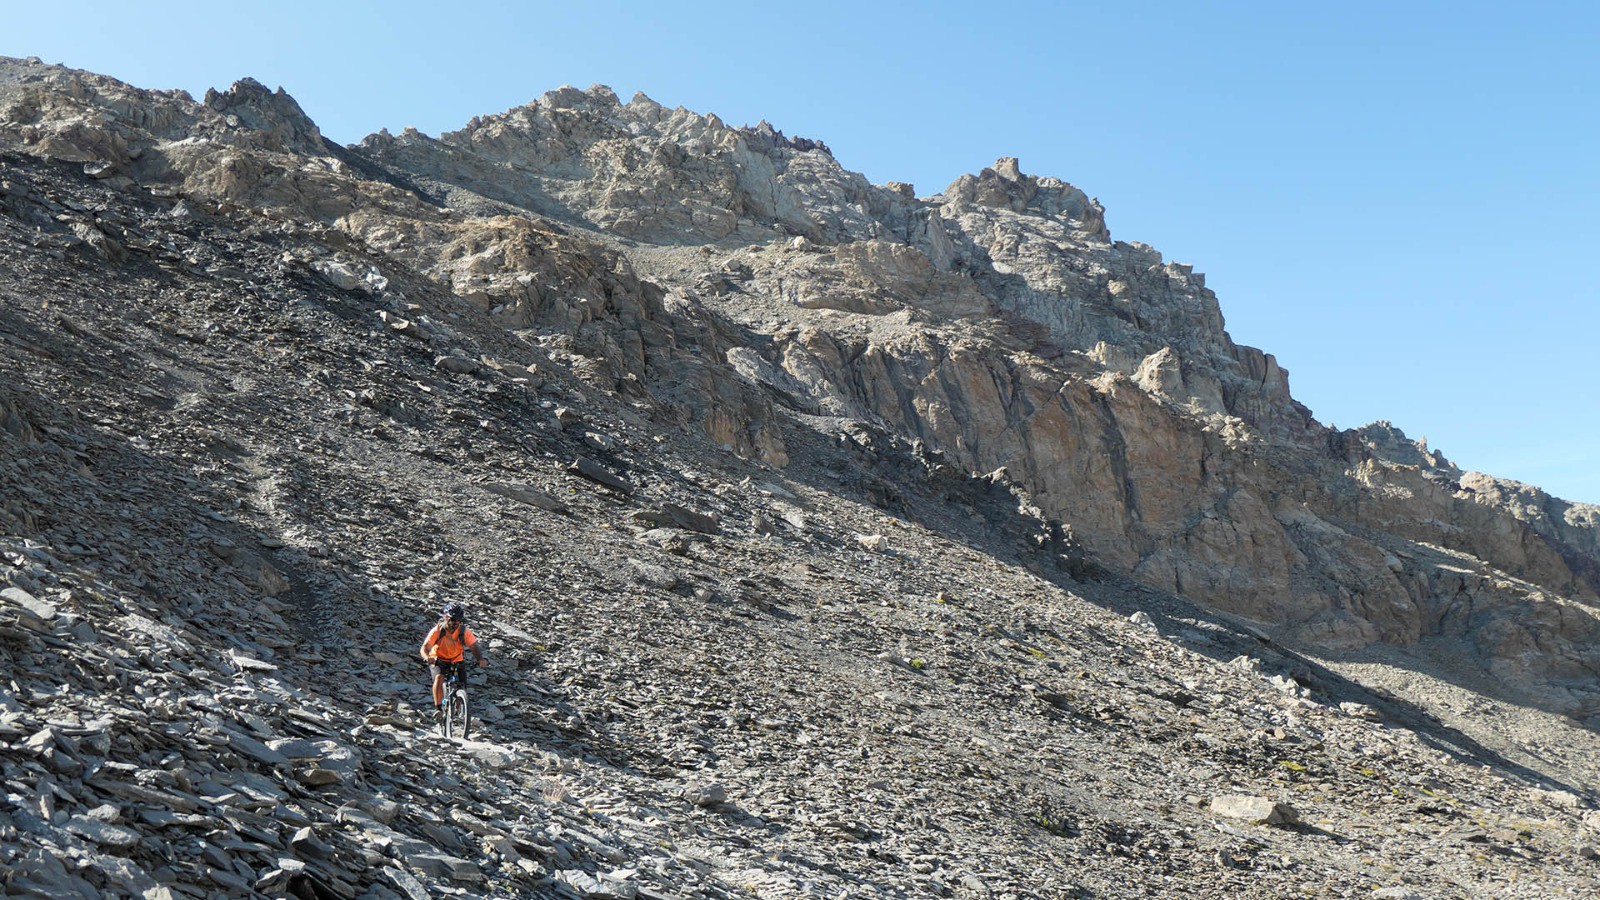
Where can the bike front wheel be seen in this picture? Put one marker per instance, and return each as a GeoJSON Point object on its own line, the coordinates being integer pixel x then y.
{"type": "Point", "coordinates": [457, 718]}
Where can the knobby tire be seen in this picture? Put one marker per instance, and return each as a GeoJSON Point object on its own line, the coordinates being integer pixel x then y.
{"type": "Point", "coordinates": [459, 719]}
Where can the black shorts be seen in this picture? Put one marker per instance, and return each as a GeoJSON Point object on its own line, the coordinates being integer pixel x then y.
{"type": "Point", "coordinates": [440, 667]}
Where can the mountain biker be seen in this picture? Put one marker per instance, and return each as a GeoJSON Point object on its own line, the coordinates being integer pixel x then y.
{"type": "Point", "coordinates": [445, 647]}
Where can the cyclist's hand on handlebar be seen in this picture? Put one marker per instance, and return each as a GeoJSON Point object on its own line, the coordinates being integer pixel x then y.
{"type": "Point", "coordinates": [483, 663]}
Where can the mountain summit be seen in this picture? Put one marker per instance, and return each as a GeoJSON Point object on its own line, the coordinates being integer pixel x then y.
{"type": "Point", "coordinates": [827, 539]}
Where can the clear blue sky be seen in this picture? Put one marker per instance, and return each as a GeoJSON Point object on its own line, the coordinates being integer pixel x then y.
{"type": "Point", "coordinates": [1399, 200]}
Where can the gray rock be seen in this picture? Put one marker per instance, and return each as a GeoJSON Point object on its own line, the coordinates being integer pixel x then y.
{"type": "Point", "coordinates": [306, 845]}
{"type": "Point", "coordinates": [407, 885]}
{"type": "Point", "coordinates": [106, 813]}
{"type": "Point", "coordinates": [683, 517]}
{"type": "Point", "coordinates": [273, 881]}
{"type": "Point", "coordinates": [1255, 810]}
{"type": "Point", "coordinates": [294, 748]}
{"type": "Point", "coordinates": [456, 365]}
{"type": "Point", "coordinates": [380, 809]}
{"type": "Point", "coordinates": [673, 540]}
{"type": "Point", "coordinates": [317, 776]}
{"type": "Point", "coordinates": [597, 888]}
{"type": "Point", "coordinates": [529, 495]}
{"type": "Point", "coordinates": [493, 756]}
{"type": "Point", "coordinates": [877, 543]}
{"type": "Point", "coordinates": [41, 740]}
{"type": "Point", "coordinates": [605, 443]}
{"type": "Point", "coordinates": [348, 277]}
{"type": "Point", "coordinates": [472, 823]}
{"type": "Point", "coordinates": [338, 757]}
{"type": "Point", "coordinates": [1556, 799]}
{"type": "Point", "coordinates": [593, 471]}
{"type": "Point", "coordinates": [652, 575]}
{"type": "Point", "coordinates": [501, 846]}
{"type": "Point", "coordinates": [402, 325]}
{"type": "Point", "coordinates": [106, 834]}
{"type": "Point", "coordinates": [675, 516]}
{"type": "Point", "coordinates": [250, 664]}
{"type": "Point", "coordinates": [253, 749]}
{"type": "Point", "coordinates": [440, 866]}
{"type": "Point", "coordinates": [33, 611]}
{"type": "Point", "coordinates": [1359, 711]}
{"type": "Point", "coordinates": [705, 793]}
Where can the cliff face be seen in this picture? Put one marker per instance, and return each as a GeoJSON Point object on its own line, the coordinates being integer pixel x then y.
{"type": "Point", "coordinates": [999, 323]}
{"type": "Point", "coordinates": [732, 276]}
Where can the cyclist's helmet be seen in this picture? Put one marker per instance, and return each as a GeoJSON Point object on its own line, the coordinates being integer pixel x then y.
{"type": "Point", "coordinates": [454, 613]}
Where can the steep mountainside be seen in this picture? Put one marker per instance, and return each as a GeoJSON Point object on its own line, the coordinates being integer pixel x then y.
{"type": "Point", "coordinates": [827, 540]}
{"type": "Point", "coordinates": [999, 323]}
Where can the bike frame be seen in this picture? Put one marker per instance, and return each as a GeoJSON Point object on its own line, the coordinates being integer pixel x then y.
{"type": "Point", "coordinates": [455, 685]}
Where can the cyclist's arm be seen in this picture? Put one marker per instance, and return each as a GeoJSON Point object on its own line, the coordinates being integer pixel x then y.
{"type": "Point", "coordinates": [428, 643]}
{"type": "Point", "coordinates": [476, 653]}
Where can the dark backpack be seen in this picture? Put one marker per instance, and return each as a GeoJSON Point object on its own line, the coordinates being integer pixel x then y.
{"type": "Point", "coordinates": [460, 635]}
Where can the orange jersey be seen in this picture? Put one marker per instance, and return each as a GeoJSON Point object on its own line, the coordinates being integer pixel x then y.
{"type": "Point", "coordinates": [448, 646]}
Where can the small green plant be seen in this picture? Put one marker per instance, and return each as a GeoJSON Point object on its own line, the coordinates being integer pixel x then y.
{"type": "Point", "coordinates": [1059, 829]}
{"type": "Point", "coordinates": [1291, 765]}
{"type": "Point", "coordinates": [918, 664]}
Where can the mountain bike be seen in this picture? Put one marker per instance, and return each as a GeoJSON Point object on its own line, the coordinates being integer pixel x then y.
{"type": "Point", "coordinates": [454, 717]}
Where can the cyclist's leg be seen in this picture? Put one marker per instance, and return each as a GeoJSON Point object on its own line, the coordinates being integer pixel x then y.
{"type": "Point", "coordinates": [438, 683]}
